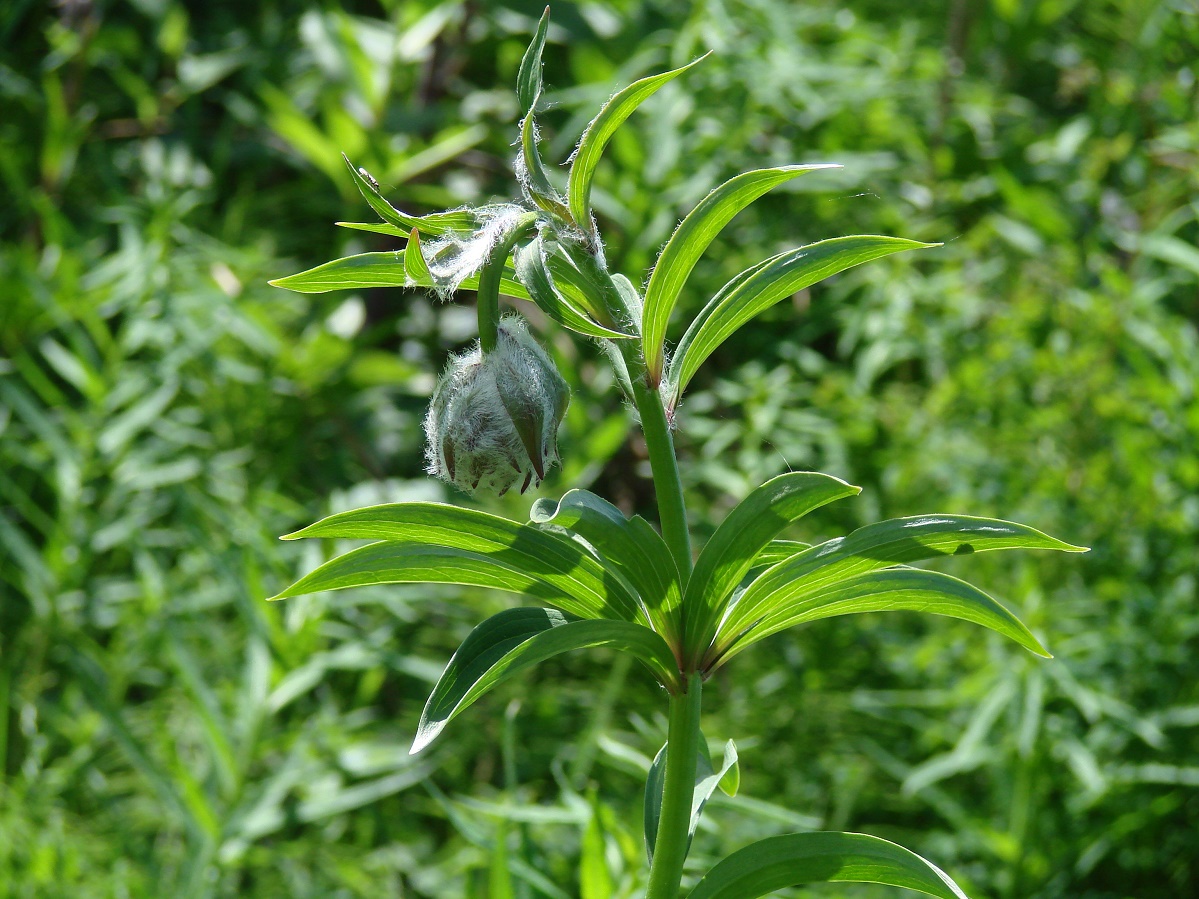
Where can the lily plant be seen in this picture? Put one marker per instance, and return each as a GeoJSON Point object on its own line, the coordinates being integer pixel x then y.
{"type": "Point", "coordinates": [590, 575]}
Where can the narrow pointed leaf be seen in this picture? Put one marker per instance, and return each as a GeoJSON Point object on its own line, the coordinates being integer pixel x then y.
{"type": "Point", "coordinates": [516, 639]}
{"type": "Point", "coordinates": [532, 273]}
{"type": "Point", "coordinates": [375, 228]}
{"type": "Point", "coordinates": [688, 243]}
{"type": "Point", "coordinates": [744, 533]}
{"type": "Point", "coordinates": [584, 586]}
{"type": "Point", "coordinates": [600, 131]}
{"type": "Point", "coordinates": [437, 223]}
{"type": "Point", "coordinates": [884, 544]}
{"type": "Point", "coordinates": [528, 79]}
{"type": "Point", "coordinates": [892, 590]}
{"type": "Point", "coordinates": [760, 287]}
{"type": "Point", "coordinates": [365, 270]}
{"type": "Point", "coordinates": [630, 545]}
{"type": "Point", "coordinates": [707, 779]}
{"type": "Point", "coordinates": [795, 859]}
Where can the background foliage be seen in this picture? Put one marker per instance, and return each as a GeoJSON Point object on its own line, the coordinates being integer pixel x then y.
{"type": "Point", "coordinates": [164, 414]}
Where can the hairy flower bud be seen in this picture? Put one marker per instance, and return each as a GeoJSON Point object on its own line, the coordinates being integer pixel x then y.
{"type": "Point", "coordinates": [494, 418]}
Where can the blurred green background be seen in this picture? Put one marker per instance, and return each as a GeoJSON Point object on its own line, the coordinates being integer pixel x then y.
{"type": "Point", "coordinates": [164, 414]}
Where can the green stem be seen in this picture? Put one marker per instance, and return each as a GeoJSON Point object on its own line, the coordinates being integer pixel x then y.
{"type": "Point", "coordinates": [488, 302]}
{"type": "Point", "coordinates": [674, 825]}
{"type": "Point", "coordinates": [672, 513]}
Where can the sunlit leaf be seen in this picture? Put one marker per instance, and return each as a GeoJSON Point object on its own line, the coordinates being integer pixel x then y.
{"type": "Point", "coordinates": [533, 274]}
{"type": "Point", "coordinates": [743, 534]}
{"type": "Point", "coordinates": [630, 545]}
{"type": "Point", "coordinates": [599, 132]}
{"type": "Point", "coordinates": [436, 543]}
{"type": "Point", "coordinates": [795, 859]}
{"type": "Point", "coordinates": [435, 223]}
{"type": "Point", "coordinates": [707, 779]}
{"type": "Point", "coordinates": [760, 287]}
{"type": "Point", "coordinates": [892, 590]}
{"type": "Point", "coordinates": [688, 243]}
{"type": "Point", "coordinates": [884, 544]}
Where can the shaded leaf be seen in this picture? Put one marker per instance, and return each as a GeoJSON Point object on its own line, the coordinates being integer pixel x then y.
{"type": "Point", "coordinates": [516, 639]}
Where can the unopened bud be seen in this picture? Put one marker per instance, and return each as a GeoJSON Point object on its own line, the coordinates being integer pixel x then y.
{"type": "Point", "coordinates": [493, 422]}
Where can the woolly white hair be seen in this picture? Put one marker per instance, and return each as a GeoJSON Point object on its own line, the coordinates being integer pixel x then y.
{"type": "Point", "coordinates": [455, 256]}
{"type": "Point", "coordinates": [494, 416]}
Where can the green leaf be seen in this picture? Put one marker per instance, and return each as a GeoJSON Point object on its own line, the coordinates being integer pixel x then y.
{"type": "Point", "coordinates": [688, 243]}
{"type": "Point", "coordinates": [892, 590]}
{"type": "Point", "coordinates": [745, 532]}
{"type": "Point", "coordinates": [779, 551]}
{"type": "Point", "coordinates": [375, 228]}
{"type": "Point", "coordinates": [794, 859]}
{"type": "Point", "coordinates": [630, 545]}
{"type": "Point", "coordinates": [437, 223]}
{"type": "Point", "coordinates": [707, 779]}
{"type": "Point", "coordinates": [595, 880]}
{"type": "Point", "coordinates": [528, 79]}
{"type": "Point", "coordinates": [760, 287]}
{"type": "Point", "coordinates": [516, 639]}
{"type": "Point", "coordinates": [365, 270]}
{"type": "Point", "coordinates": [884, 544]}
{"type": "Point", "coordinates": [437, 543]}
{"type": "Point", "coordinates": [532, 272]}
{"type": "Point", "coordinates": [579, 275]}
{"type": "Point", "coordinates": [599, 132]}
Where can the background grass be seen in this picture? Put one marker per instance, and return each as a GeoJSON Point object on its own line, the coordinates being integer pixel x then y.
{"type": "Point", "coordinates": [164, 415]}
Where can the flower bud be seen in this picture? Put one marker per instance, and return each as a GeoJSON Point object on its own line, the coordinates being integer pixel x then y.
{"type": "Point", "coordinates": [494, 418]}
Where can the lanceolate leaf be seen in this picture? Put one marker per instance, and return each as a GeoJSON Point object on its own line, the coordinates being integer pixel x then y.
{"type": "Point", "coordinates": [517, 553]}
{"type": "Point", "coordinates": [630, 545]}
{"type": "Point", "coordinates": [688, 243]}
{"type": "Point", "coordinates": [884, 544]}
{"type": "Point", "coordinates": [795, 859]}
{"type": "Point", "coordinates": [892, 590]}
{"type": "Point", "coordinates": [532, 272]}
{"type": "Point", "coordinates": [779, 551]}
{"type": "Point", "coordinates": [516, 639]}
{"type": "Point", "coordinates": [437, 223]}
{"type": "Point", "coordinates": [707, 779]}
{"type": "Point", "coordinates": [364, 270]}
{"type": "Point", "coordinates": [384, 269]}
{"type": "Point", "coordinates": [760, 287]}
{"type": "Point", "coordinates": [600, 131]}
{"type": "Point", "coordinates": [743, 534]}
{"type": "Point", "coordinates": [528, 79]}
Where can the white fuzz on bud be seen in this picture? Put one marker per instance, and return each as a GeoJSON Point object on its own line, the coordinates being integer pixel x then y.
{"type": "Point", "coordinates": [493, 422]}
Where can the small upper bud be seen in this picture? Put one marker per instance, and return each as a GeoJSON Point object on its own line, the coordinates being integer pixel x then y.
{"type": "Point", "coordinates": [494, 418]}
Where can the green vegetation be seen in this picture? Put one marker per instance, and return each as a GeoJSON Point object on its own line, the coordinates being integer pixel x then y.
{"type": "Point", "coordinates": [164, 414]}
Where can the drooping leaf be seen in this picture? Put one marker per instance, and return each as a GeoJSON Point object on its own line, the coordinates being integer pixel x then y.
{"type": "Point", "coordinates": [437, 543]}
{"type": "Point", "coordinates": [516, 639]}
{"type": "Point", "coordinates": [599, 132]}
{"type": "Point", "coordinates": [795, 859]}
{"type": "Point", "coordinates": [884, 544]}
{"type": "Point", "coordinates": [707, 779]}
{"type": "Point", "coordinates": [743, 534]}
{"type": "Point", "coordinates": [891, 590]}
{"type": "Point", "coordinates": [688, 243]}
{"type": "Point", "coordinates": [630, 545]}
{"type": "Point", "coordinates": [533, 274]}
{"type": "Point", "coordinates": [761, 286]}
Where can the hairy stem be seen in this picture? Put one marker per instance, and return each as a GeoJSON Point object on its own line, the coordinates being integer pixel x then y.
{"type": "Point", "coordinates": [672, 513]}
{"type": "Point", "coordinates": [488, 308]}
{"type": "Point", "coordinates": [682, 750]}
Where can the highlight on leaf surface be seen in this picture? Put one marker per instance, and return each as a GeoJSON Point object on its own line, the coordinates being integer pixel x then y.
{"type": "Point", "coordinates": [795, 859]}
